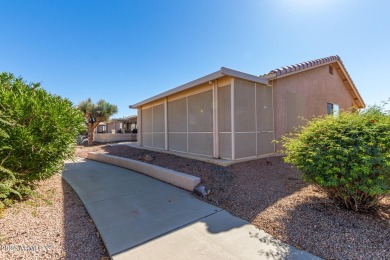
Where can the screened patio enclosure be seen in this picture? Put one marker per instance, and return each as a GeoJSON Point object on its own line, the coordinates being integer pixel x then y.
{"type": "Point", "coordinates": [229, 118]}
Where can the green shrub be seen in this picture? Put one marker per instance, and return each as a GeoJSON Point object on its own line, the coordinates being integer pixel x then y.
{"type": "Point", "coordinates": [7, 177]}
{"type": "Point", "coordinates": [38, 132]}
{"type": "Point", "coordinates": [347, 156]}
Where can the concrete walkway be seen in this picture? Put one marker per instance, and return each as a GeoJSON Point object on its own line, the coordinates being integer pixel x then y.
{"type": "Point", "coordinates": [139, 217]}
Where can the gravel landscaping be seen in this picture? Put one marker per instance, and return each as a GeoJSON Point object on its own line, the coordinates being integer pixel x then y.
{"type": "Point", "coordinates": [53, 224]}
{"type": "Point", "coordinates": [271, 195]}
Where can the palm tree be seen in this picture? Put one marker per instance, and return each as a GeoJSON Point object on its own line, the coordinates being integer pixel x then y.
{"type": "Point", "coordinates": [96, 113]}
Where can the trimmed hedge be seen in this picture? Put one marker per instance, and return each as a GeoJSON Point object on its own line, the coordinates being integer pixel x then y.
{"type": "Point", "coordinates": [38, 132]}
{"type": "Point", "coordinates": [347, 156]}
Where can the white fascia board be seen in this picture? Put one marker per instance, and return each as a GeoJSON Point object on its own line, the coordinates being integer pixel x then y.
{"type": "Point", "coordinates": [210, 77]}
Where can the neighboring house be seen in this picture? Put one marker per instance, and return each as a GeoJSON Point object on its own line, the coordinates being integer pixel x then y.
{"type": "Point", "coordinates": [233, 115]}
{"type": "Point", "coordinates": [117, 129]}
{"type": "Point", "coordinates": [118, 125]}
{"type": "Point", "coordinates": [125, 124]}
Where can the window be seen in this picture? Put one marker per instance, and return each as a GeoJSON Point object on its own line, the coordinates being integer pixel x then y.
{"type": "Point", "coordinates": [332, 109]}
{"type": "Point", "coordinates": [101, 129]}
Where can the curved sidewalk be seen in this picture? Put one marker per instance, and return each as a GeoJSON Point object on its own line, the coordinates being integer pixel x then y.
{"type": "Point", "coordinates": [139, 217]}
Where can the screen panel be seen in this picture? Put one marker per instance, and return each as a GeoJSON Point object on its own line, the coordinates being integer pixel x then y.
{"type": "Point", "coordinates": [177, 142]}
{"type": "Point", "coordinates": [200, 112]}
{"type": "Point", "coordinates": [245, 145]}
{"type": "Point", "coordinates": [264, 143]}
{"type": "Point", "coordinates": [200, 143]}
{"type": "Point", "coordinates": [264, 108]}
{"type": "Point", "coordinates": [225, 145]}
{"type": "Point", "coordinates": [158, 118]}
{"type": "Point", "coordinates": [147, 139]}
{"type": "Point", "coordinates": [159, 140]}
{"type": "Point", "coordinates": [177, 115]}
{"type": "Point", "coordinates": [147, 120]}
{"type": "Point", "coordinates": [224, 108]}
{"type": "Point", "coordinates": [244, 106]}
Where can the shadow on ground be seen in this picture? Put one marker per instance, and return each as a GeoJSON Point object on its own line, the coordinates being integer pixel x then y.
{"type": "Point", "coordinates": [319, 226]}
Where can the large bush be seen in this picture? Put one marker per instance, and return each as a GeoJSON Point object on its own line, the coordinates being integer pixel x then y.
{"type": "Point", "coordinates": [347, 156]}
{"type": "Point", "coordinates": [38, 132]}
{"type": "Point", "coordinates": [7, 177]}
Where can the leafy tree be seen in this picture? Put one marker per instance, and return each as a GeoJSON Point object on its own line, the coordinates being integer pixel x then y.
{"type": "Point", "coordinates": [37, 133]}
{"type": "Point", "coordinates": [95, 114]}
{"type": "Point", "coordinates": [347, 156]}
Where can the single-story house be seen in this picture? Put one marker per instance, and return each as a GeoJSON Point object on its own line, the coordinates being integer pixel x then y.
{"type": "Point", "coordinates": [101, 128]}
{"type": "Point", "coordinates": [118, 125]}
{"type": "Point", "coordinates": [234, 115]}
{"type": "Point", "coordinates": [117, 129]}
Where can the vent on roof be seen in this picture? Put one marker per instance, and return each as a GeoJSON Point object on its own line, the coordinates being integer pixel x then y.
{"type": "Point", "coordinates": [331, 70]}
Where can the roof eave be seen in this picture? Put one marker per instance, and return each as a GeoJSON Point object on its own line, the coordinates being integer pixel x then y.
{"type": "Point", "coordinates": [358, 99]}
{"type": "Point", "coordinates": [207, 78]}
{"type": "Point", "coordinates": [210, 77]}
{"type": "Point", "coordinates": [354, 88]}
{"type": "Point", "coordinates": [242, 75]}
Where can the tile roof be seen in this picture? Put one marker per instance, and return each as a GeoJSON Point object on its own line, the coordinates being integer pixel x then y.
{"type": "Point", "coordinates": [303, 65]}
{"type": "Point", "coordinates": [311, 64]}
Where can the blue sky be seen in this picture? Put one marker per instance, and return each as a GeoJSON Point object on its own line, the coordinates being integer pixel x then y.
{"type": "Point", "coordinates": [127, 51]}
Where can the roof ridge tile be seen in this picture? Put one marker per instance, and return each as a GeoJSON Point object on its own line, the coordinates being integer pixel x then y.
{"type": "Point", "coordinates": [308, 64]}
{"type": "Point", "coordinates": [303, 65]}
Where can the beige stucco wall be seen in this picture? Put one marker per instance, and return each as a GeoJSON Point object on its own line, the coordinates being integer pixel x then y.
{"type": "Point", "coordinates": [307, 93]}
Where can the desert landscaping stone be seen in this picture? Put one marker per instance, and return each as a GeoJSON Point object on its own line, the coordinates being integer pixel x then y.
{"type": "Point", "coordinates": [202, 191]}
{"type": "Point", "coordinates": [162, 211]}
{"type": "Point", "coordinates": [272, 196]}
